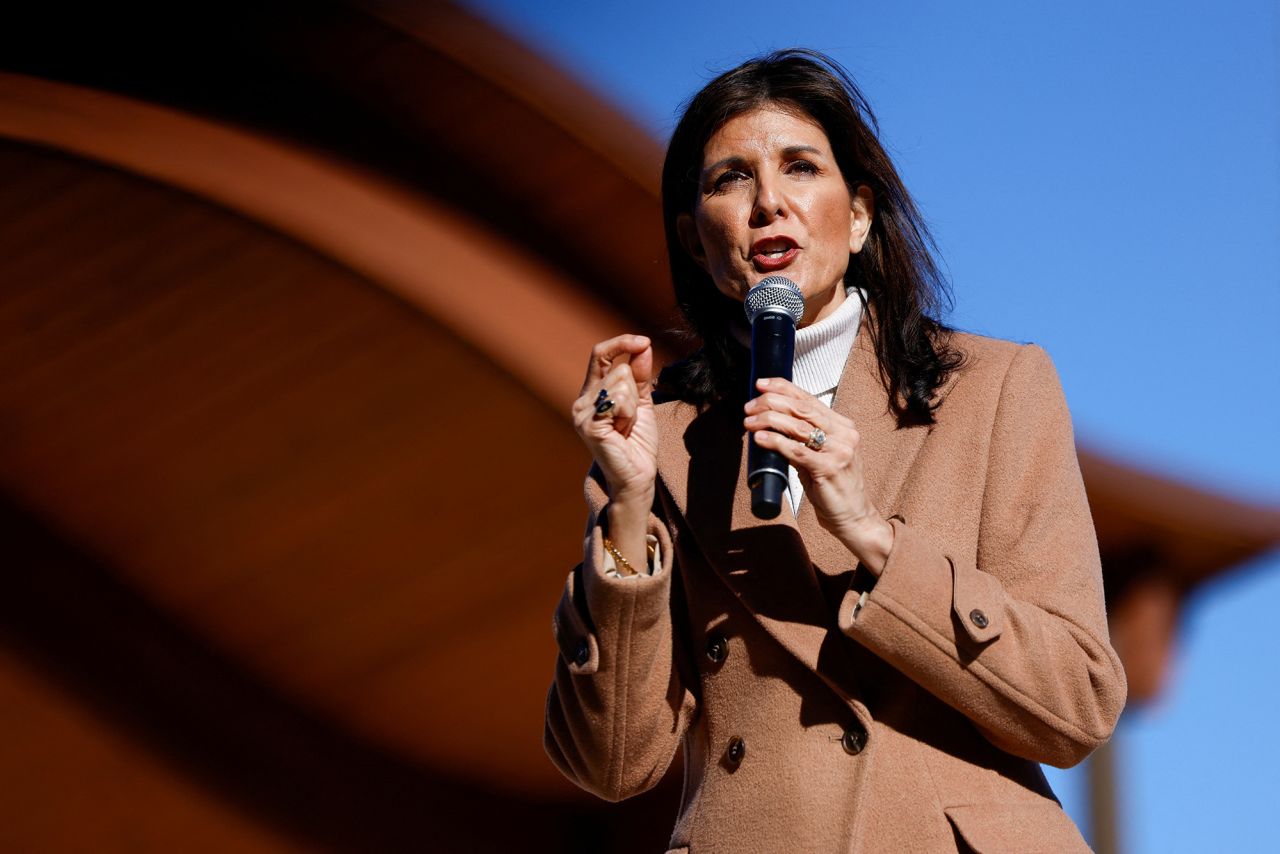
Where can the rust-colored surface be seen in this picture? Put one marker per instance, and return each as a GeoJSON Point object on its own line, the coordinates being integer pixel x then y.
{"type": "Point", "coordinates": [130, 727]}
{"type": "Point", "coordinates": [291, 311]}
{"type": "Point", "coordinates": [85, 782]}
{"type": "Point", "coordinates": [308, 471]}
{"type": "Point", "coordinates": [498, 298]}
{"type": "Point", "coordinates": [1149, 523]}
{"type": "Point", "coordinates": [1144, 625]}
{"type": "Point", "coordinates": [430, 96]}
{"type": "Point", "coordinates": [1160, 539]}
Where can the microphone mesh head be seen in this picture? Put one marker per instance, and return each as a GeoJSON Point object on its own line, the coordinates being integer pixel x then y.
{"type": "Point", "coordinates": [775, 293]}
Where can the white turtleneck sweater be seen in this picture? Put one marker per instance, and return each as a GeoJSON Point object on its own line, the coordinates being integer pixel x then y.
{"type": "Point", "coordinates": [821, 351]}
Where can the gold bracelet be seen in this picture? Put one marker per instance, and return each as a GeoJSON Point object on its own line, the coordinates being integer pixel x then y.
{"type": "Point", "coordinates": [622, 562]}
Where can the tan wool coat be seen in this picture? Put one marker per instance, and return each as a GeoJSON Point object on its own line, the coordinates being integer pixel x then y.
{"type": "Point", "coordinates": [823, 710]}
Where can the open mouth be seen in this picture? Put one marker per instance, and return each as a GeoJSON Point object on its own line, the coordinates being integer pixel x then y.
{"type": "Point", "coordinates": [773, 253]}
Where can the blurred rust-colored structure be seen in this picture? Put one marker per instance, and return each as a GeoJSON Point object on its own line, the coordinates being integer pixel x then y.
{"type": "Point", "coordinates": [293, 300]}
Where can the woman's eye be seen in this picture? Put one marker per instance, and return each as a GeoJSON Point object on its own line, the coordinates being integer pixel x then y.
{"type": "Point", "coordinates": [727, 179]}
{"type": "Point", "coordinates": [801, 167]}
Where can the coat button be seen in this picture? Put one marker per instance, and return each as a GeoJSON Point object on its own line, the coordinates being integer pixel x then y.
{"type": "Point", "coordinates": [717, 648]}
{"type": "Point", "coordinates": [978, 618]}
{"type": "Point", "coordinates": [854, 740]}
{"type": "Point", "coordinates": [582, 653]}
{"type": "Point", "coordinates": [736, 750]}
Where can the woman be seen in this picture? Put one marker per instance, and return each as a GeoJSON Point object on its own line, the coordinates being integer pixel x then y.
{"type": "Point", "coordinates": [884, 666]}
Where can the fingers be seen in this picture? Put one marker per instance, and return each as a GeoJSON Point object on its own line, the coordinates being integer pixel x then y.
{"type": "Point", "coordinates": [642, 369]}
{"type": "Point", "coordinates": [621, 348]}
{"type": "Point", "coordinates": [780, 422]}
{"type": "Point", "coordinates": [784, 417]}
{"type": "Point", "coordinates": [612, 413]}
{"type": "Point", "coordinates": [778, 385]}
{"type": "Point", "coordinates": [831, 458]}
{"type": "Point", "coordinates": [620, 387]}
{"type": "Point", "coordinates": [789, 399]}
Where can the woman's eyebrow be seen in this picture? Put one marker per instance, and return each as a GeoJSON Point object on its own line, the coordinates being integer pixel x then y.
{"type": "Point", "coordinates": [727, 161]}
{"type": "Point", "coordinates": [792, 150]}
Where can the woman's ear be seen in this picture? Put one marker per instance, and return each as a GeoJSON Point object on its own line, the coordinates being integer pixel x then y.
{"type": "Point", "coordinates": [862, 209]}
{"type": "Point", "coordinates": [687, 229]}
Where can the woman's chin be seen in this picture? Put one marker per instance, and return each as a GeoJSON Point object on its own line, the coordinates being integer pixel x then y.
{"type": "Point", "coordinates": [736, 291]}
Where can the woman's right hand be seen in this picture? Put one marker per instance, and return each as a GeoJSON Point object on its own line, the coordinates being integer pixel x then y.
{"type": "Point", "coordinates": [624, 441]}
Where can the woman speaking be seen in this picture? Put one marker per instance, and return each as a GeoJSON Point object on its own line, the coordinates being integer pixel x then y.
{"type": "Point", "coordinates": [883, 666]}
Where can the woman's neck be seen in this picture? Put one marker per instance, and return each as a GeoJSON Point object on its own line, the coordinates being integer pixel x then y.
{"type": "Point", "coordinates": [817, 312]}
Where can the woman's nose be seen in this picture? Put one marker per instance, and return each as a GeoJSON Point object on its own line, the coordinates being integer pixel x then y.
{"type": "Point", "coordinates": [769, 203]}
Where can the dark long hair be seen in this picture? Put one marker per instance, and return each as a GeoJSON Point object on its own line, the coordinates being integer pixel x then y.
{"type": "Point", "coordinates": [904, 288]}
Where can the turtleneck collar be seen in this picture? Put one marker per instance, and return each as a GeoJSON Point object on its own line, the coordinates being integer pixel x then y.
{"type": "Point", "coordinates": [823, 347]}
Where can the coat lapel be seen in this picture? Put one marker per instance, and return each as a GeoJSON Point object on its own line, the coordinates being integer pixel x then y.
{"type": "Point", "coordinates": [764, 563]}
{"type": "Point", "coordinates": [887, 451]}
{"type": "Point", "coordinates": [773, 566]}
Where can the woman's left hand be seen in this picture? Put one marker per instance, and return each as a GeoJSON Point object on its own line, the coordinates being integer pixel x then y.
{"type": "Point", "coordinates": [783, 418]}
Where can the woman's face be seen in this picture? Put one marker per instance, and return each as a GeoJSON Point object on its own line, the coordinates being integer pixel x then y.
{"type": "Point", "coordinates": [771, 200]}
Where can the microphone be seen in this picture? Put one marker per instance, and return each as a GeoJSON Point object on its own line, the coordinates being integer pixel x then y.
{"type": "Point", "coordinates": [774, 306]}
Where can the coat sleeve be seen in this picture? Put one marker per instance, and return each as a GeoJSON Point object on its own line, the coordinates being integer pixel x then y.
{"type": "Point", "coordinates": [618, 708]}
{"type": "Point", "coordinates": [1016, 637]}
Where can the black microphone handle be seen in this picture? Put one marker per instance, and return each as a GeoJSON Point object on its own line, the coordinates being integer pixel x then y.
{"type": "Point", "coordinates": [773, 343]}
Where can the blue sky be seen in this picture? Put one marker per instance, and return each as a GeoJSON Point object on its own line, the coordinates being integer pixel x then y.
{"type": "Point", "coordinates": [1103, 179]}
